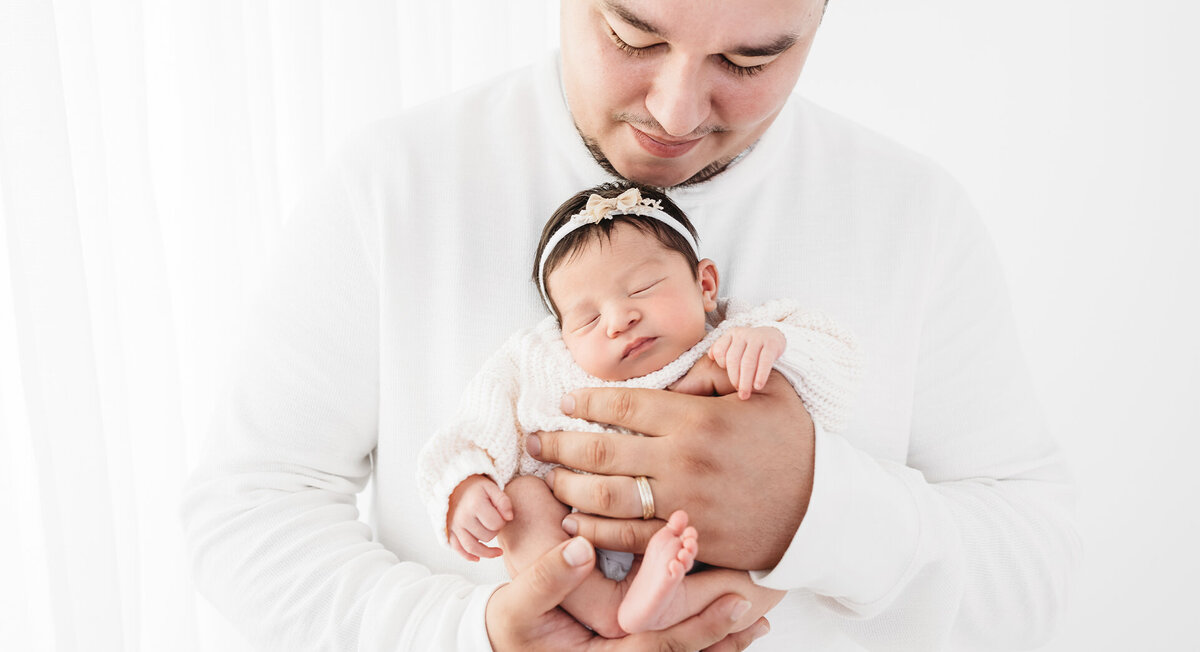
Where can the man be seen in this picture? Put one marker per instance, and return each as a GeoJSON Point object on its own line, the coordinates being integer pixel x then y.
{"type": "Point", "coordinates": [941, 518]}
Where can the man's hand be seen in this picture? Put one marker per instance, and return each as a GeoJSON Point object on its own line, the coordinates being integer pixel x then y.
{"type": "Point", "coordinates": [478, 510]}
{"type": "Point", "coordinates": [743, 468]}
{"type": "Point", "coordinates": [524, 614]}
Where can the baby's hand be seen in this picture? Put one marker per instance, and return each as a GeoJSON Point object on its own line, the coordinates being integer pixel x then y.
{"type": "Point", "coordinates": [478, 510]}
{"type": "Point", "coordinates": [747, 355]}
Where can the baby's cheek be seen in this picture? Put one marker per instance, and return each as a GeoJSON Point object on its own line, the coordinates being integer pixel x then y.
{"type": "Point", "coordinates": [593, 363]}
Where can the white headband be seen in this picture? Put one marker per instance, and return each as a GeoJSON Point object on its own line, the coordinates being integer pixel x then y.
{"type": "Point", "coordinates": [599, 208]}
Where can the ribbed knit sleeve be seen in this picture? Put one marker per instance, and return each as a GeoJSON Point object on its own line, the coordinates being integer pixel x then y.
{"type": "Point", "coordinates": [483, 438]}
{"type": "Point", "coordinates": [821, 360]}
{"type": "Point", "coordinates": [270, 514]}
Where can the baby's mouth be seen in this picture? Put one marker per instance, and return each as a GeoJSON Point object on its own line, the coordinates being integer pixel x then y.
{"type": "Point", "coordinates": [635, 347]}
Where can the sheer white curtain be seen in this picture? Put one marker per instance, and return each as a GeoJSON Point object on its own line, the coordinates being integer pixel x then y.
{"type": "Point", "coordinates": [148, 153]}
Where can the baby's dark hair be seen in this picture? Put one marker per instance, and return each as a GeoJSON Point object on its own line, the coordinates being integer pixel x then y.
{"type": "Point", "coordinates": [569, 246]}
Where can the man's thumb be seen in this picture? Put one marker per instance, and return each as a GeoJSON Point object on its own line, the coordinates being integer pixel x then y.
{"type": "Point", "coordinates": [546, 583]}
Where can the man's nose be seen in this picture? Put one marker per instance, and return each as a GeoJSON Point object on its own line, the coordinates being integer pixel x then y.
{"type": "Point", "coordinates": [622, 320]}
{"type": "Point", "coordinates": [679, 98]}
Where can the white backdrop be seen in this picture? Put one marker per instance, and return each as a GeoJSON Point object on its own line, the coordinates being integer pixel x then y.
{"type": "Point", "coordinates": [149, 150]}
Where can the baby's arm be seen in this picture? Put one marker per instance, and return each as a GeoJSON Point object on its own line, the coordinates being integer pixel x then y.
{"type": "Point", "coordinates": [478, 511]}
{"type": "Point", "coordinates": [478, 443]}
{"type": "Point", "coordinates": [747, 353]}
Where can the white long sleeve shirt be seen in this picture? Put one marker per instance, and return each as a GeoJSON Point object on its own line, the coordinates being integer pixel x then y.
{"type": "Point", "coordinates": [941, 517]}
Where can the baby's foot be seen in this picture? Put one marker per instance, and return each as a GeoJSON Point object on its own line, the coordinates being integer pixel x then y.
{"type": "Point", "coordinates": [654, 600]}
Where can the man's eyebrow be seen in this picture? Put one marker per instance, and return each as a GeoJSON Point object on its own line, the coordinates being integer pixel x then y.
{"type": "Point", "coordinates": [629, 17]}
{"type": "Point", "coordinates": [778, 46]}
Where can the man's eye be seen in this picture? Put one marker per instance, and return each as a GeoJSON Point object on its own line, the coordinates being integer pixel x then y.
{"type": "Point", "coordinates": [631, 50]}
{"type": "Point", "coordinates": [742, 71]}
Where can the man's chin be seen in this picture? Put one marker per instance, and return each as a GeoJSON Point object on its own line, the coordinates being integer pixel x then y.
{"type": "Point", "coordinates": [675, 174]}
{"type": "Point", "coordinates": [651, 173]}
{"type": "Point", "coordinates": [673, 177]}
{"type": "Point", "coordinates": [654, 175]}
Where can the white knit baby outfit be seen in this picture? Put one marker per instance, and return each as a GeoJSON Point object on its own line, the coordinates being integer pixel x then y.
{"type": "Point", "coordinates": [520, 387]}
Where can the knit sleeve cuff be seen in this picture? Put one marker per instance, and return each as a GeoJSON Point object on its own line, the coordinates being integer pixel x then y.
{"type": "Point", "coordinates": [823, 367]}
{"type": "Point", "coordinates": [464, 464]}
{"type": "Point", "coordinates": [859, 535]}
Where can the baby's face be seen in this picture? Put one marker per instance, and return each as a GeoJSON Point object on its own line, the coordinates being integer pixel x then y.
{"type": "Point", "coordinates": [629, 305]}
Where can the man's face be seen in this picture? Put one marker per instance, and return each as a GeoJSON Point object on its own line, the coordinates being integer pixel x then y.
{"type": "Point", "coordinates": [670, 91]}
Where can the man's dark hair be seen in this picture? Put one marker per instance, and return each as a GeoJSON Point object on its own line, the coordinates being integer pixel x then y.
{"type": "Point", "coordinates": [571, 245]}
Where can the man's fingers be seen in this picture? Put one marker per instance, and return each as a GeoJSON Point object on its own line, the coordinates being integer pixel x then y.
{"type": "Point", "coordinates": [694, 384]}
{"type": "Point", "coordinates": [651, 412]}
{"type": "Point", "coordinates": [545, 584]}
{"type": "Point", "coordinates": [621, 534]}
{"type": "Point", "coordinates": [704, 630]}
{"type": "Point", "coordinates": [742, 640]}
{"type": "Point", "coordinates": [705, 378]}
{"type": "Point", "coordinates": [616, 496]}
{"type": "Point", "coordinates": [605, 453]}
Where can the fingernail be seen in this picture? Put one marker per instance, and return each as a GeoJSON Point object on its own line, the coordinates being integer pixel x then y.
{"type": "Point", "coordinates": [533, 445]}
{"type": "Point", "coordinates": [570, 526]}
{"type": "Point", "coordinates": [578, 552]}
{"type": "Point", "coordinates": [739, 610]}
{"type": "Point", "coordinates": [568, 405]}
{"type": "Point", "coordinates": [760, 630]}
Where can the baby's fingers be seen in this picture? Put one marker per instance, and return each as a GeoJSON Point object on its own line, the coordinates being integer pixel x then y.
{"type": "Point", "coordinates": [501, 502]}
{"type": "Point", "coordinates": [748, 371]}
{"type": "Point", "coordinates": [765, 360]}
{"type": "Point", "coordinates": [458, 547]}
{"type": "Point", "coordinates": [491, 519]}
{"type": "Point", "coordinates": [473, 542]}
{"type": "Point", "coordinates": [481, 534]}
{"type": "Point", "coordinates": [733, 361]}
{"type": "Point", "coordinates": [718, 349]}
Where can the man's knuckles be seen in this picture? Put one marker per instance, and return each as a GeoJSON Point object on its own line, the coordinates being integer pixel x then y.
{"type": "Point", "coordinates": [598, 454]}
{"type": "Point", "coordinates": [602, 497]}
{"type": "Point", "coordinates": [633, 538]}
{"type": "Point", "coordinates": [619, 407]}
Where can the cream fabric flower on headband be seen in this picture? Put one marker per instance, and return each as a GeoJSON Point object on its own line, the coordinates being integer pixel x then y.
{"type": "Point", "coordinates": [629, 202]}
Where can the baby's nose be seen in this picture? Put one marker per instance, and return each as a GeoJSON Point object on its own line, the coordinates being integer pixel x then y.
{"type": "Point", "coordinates": [622, 322]}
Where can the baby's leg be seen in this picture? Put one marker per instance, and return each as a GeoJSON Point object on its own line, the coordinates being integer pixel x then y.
{"type": "Point", "coordinates": [537, 527]}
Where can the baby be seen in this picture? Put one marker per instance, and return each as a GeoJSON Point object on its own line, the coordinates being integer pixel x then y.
{"type": "Point", "coordinates": [632, 305]}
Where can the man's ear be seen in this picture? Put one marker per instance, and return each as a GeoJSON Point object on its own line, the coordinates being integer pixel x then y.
{"type": "Point", "coordinates": [710, 281]}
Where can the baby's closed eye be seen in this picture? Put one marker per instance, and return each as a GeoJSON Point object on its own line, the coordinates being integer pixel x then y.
{"type": "Point", "coordinates": [645, 288]}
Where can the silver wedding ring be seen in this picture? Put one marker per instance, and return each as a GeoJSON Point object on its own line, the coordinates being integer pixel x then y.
{"type": "Point", "coordinates": [643, 485]}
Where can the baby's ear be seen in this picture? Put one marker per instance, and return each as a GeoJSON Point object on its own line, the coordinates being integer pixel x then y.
{"type": "Point", "coordinates": [709, 281]}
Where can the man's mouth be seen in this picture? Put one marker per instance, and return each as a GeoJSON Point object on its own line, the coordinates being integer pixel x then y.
{"type": "Point", "coordinates": [636, 347]}
{"type": "Point", "coordinates": [663, 148]}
